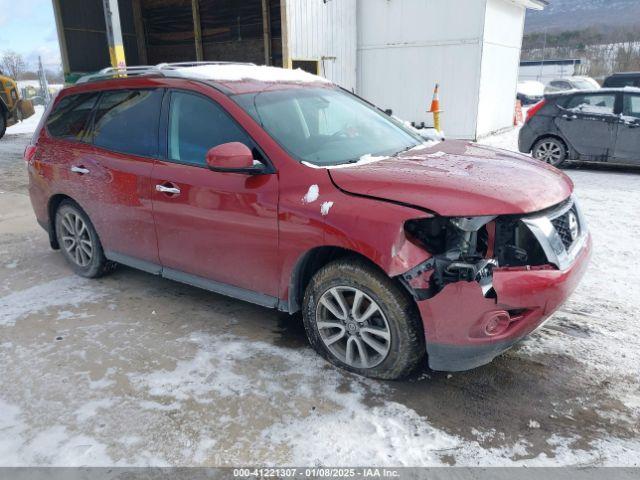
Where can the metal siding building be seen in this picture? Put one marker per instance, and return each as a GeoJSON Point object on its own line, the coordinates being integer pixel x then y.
{"type": "Point", "coordinates": [471, 47]}
{"type": "Point", "coordinates": [391, 52]}
{"type": "Point", "coordinates": [325, 32]}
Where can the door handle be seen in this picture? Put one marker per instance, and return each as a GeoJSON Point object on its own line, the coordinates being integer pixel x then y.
{"type": "Point", "coordinates": [569, 117]}
{"type": "Point", "coordinates": [165, 189]}
{"type": "Point", "coordinates": [79, 170]}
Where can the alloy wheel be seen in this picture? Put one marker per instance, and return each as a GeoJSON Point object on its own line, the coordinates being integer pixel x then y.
{"type": "Point", "coordinates": [353, 327]}
{"type": "Point", "coordinates": [76, 239]}
{"type": "Point", "coordinates": [549, 152]}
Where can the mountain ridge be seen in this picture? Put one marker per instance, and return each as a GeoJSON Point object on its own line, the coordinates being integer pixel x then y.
{"type": "Point", "coordinates": [581, 14]}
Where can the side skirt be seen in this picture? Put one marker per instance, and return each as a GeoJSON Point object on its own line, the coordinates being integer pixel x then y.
{"type": "Point", "coordinates": [196, 281]}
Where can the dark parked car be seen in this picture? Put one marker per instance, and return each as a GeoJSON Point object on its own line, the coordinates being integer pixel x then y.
{"type": "Point", "coordinates": [588, 126]}
{"type": "Point", "coordinates": [619, 80]}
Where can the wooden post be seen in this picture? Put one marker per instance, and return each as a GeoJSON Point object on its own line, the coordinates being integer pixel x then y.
{"type": "Point", "coordinates": [286, 56]}
{"type": "Point", "coordinates": [266, 30]}
{"type": "Point", "coordinates": [141, 38]}
{"type": "Point", "coordinates": [114, 34]}
{"type": "Point", "coordinates": [197, 29]}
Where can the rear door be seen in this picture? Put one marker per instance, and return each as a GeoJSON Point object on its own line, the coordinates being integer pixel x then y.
{"type": "Point", "coordinates": [213, 226]}
{"type": "Point", "coordinates": [627, 148]}
{"type": "Point", "coordinates": [588, 122]}
{"type": "Point", "coordinates": [117, 174]}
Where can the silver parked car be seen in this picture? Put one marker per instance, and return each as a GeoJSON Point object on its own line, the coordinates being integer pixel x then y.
{"type": "Point", "coordinates": [571, 83]}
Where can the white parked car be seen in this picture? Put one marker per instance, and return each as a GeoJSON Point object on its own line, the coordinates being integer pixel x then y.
{"type": "Point", "coordinates": [530, 92]}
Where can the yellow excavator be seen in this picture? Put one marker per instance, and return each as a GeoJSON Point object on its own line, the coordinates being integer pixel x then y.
{"type": "Point", "coordinates": [13, 109]}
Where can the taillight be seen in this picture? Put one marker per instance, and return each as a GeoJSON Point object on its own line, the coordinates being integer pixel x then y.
{"type": "Point", "coordinates": [535, 109]}
{"type": "Point", "coordinates": [29, 153]}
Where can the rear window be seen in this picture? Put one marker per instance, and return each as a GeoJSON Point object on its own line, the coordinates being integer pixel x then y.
{"type": "Point", "coordinates": [126, 121]}
{"type": "Point", "coordinates": [619, 82]}
{"type": "Point", "coordinates": [70, 116]}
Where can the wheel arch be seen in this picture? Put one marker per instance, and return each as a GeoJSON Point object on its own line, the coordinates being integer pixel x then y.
{"type": "Point", "coordinates": [311, 262]}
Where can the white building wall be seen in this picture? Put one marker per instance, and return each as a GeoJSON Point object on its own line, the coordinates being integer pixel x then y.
{"type": "Point", "coordinates": [325, 32]}
{"type": "Point", "coordinates": [405, 47]}
{"type": "Point", "coordinates": [503, 30]}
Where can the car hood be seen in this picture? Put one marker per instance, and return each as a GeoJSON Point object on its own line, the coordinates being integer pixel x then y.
{"type": "Point", "coordinates": [458, 178]}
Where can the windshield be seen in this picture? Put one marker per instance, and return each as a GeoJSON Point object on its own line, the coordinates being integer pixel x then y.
{"type": "Point", "coordinates": [326, 126]}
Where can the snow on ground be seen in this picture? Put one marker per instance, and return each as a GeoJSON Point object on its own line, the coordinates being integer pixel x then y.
{"type": "Point", "coordinates": [28, 125]}
{"type": "Point", "coordinates": [136, 370]}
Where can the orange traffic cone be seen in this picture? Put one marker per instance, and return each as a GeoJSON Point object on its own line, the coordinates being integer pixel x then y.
{"type": "Point", "coordinates": [435, 107]}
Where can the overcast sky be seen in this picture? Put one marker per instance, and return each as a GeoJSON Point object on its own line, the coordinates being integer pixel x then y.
{"type": "Point", "coordinates": [29, 28]}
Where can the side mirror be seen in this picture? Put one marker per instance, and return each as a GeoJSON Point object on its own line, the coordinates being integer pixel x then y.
{"type": "Point", "coordinates": [234, 157]}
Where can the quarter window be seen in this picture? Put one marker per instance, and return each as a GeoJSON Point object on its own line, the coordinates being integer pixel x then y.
{"type": "Point", "coordinates": [196, 125]}
{"type": "Point", "coordinates": [599, 103]}
{"type": "Point", "coordinates": [69, 117]}
{"type": "Point", "coordinates": [631, 106]}
{"type": "Point", "coordinates": [127, 121]}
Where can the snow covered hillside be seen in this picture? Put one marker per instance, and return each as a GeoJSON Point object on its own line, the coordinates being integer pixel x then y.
{"type": "Point", "coordinates": [579, 14]}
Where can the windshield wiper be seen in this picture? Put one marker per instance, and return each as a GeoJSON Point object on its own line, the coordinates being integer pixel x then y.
{"type": "Point", "coordinates": [404, 150]}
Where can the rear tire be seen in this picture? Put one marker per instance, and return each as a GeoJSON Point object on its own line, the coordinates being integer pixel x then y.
{"type": "Point", "coordinates": [79, 242]}
{"type": "Point", "coordinates": [550, 150]}
{"type": "Point", "coordinates": [377, 332]}
{"type": "Point", "coordinates": [3, 124]}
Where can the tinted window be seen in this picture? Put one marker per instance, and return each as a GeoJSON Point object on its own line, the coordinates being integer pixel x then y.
{"type": "Point", "coordinates": [70, 115]}
{"type": "Point", "coordinates": [631, 106]}
{"type": "Point", "coordinates": [127, 121]}
{"type": "Point", "coordinates": [196, 125]}
{"type": "Point", "coordinates": [627, 81]}
{"type": "Point", "coordinates": [599, 103]}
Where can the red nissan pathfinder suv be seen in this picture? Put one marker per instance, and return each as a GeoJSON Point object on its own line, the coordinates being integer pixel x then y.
{"type": "Point", "coordinates": [279, 188]}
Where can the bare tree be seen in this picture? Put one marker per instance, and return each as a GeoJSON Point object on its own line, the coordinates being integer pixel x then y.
{"type": "Point", "coordinates": [12, 64]}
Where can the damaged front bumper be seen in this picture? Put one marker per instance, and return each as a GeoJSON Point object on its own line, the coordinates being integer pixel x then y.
{"type": "Point", "coordinates": [468, 323]}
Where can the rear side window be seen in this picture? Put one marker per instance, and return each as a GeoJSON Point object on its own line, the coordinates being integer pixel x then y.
{"type": "Point", "coordinates": [126, 121]}
{"type": "Point", "coordinates": [631, 106]}
{"type": "Point", "coordinates": [70, 116]}
{"type": "Point", "coordinates": [601, 103]}
{"type": "Point", "coordinates": [196, 125]}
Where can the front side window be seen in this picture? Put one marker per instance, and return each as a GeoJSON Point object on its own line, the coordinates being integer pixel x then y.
{"type": "Point", "coordinates": [601, 103]}
{"type": "Point", "coordinates": [127, 121]}
{"type": "Point", "coordinates": [326, 126]}
{"type": "Point", "coordinates": [70, 116]}
{"type": "Point", "coordinates": [631, 106]}
{"type": "Point", "coordinates": [197, 124]}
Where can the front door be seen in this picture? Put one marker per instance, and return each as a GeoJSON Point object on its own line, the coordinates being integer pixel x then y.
{"type": "Point", "coordinates": [628, 140]}
{"type": "Point", "coordinates": [589, 124]}
{"type": "Point", "coordinates": [213, 226]}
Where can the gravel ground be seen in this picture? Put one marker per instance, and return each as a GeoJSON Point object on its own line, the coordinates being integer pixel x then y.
{"type": "Point", "coordinates": [137, 370]}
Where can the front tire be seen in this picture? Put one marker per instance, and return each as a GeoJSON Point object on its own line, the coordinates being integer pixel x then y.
{"type": "Point", "coordinates": [550, 150]}
{"type": "Point", "coordinates": [360, 320]}
{"type": "Point", "coordinates": [79, 242]}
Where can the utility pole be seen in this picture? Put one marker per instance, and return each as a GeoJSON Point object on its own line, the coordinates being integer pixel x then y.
{"type": "Point", "coordinates": [44, 86]}
{"type": "Point", "coordinates": [114, 34]}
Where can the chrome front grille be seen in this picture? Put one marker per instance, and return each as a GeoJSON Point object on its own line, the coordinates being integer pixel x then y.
{"type": "Point", "coordinates": [563, 225]}
{"type": "Point", "coordinates": [561, 232]}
